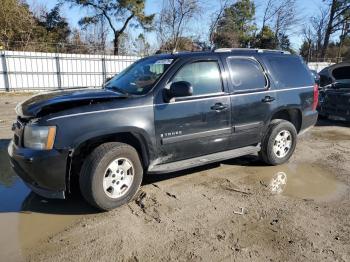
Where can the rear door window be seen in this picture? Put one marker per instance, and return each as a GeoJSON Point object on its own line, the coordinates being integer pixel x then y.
{"type": "Point", "coordinates": [246, 74]}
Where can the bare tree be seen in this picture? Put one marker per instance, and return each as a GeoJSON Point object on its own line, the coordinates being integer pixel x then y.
{"type": "Point", "coordinates": [339, 14]}
{"type": "Point", "coordinates": [117, 14]}
{"type": "Point", "coordinates": [97, 34]}
{"type": "Point", "coordinates": [173, 20]}
{"type": "Point", "coordinates": [270, 11]}
{"type": "Point", "coordinates": [285, 18]}
{"type": "Point", "coordinates": [309, 37]}
{"type": "Point", "coordinates": [141, 46]}
{"type": "Point", "coordinates": [319, 24]}
{"type": "Point", "coordinates": [216, 16]}
{"type": "Point", "coordinates": [281, 16]}
{"type": "Point", "coordinates": [344, 32]}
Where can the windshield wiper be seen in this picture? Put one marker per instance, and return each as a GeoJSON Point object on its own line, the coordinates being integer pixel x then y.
{"type": "Point", "coordinates": [118, 89]}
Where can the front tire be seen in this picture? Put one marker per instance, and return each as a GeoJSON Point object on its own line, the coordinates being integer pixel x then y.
{"type": "Point", "coordinates": [111, 175]}
{"type": "Point", "coordinates": [279, 142]}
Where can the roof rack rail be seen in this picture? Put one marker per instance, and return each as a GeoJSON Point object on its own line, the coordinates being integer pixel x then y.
{"type": "Point", "coordinates": [174, 52]}
{"type": "Point", "coordinates": [273, 51]}
{"type": "Point", "coordinates": [257, 50]}
{"type": "Point", "coordinates": [226, 49]}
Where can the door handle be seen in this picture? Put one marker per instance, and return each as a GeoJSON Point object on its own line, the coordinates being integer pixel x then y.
{"type": "Point", "coordinates": [218, 107]}
{"type": "Point", "coordinates": [268, 99]}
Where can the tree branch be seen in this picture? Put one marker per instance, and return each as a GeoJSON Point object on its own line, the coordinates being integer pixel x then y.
{"type": "Point", "coordinates": [103, 12]}
{"type": "Point", "coordinates": [121, 30]}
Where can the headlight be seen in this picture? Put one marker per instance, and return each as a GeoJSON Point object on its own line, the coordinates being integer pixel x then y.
{"type": "Point", "coordinates": [39, 137]}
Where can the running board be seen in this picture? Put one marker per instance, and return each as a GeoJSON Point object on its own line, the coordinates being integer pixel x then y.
{"type": "Point", "coordinates": [202, 160]}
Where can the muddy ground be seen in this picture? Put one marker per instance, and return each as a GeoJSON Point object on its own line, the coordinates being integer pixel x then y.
{"type": "Point", "coordinates": [237, 210]}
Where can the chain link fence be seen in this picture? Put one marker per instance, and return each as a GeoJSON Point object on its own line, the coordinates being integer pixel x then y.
{"type": "Point", "coordinates": [35, 71]}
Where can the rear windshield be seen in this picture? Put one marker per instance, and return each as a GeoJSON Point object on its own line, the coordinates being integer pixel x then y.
{"type": "Point", "coordinates": [341, 73]}
{"type": "Point", "coordinates": [290, 71]}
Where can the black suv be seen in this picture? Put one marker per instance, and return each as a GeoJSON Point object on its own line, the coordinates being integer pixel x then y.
{"type": "Point", "coordinates": [162, 114]}
{"type": "Point", "coordinates": [334, 97]}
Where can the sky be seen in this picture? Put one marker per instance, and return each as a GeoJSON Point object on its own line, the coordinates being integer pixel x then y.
{"type": "Point", "coordinates": [199, 27]}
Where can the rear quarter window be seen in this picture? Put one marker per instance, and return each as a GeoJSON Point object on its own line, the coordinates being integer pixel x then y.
{"type": "Point", "coordinates": [341, 72]}
{"type": "Point", "coordinates": [289, 71]}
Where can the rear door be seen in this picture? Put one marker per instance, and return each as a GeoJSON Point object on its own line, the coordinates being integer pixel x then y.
{"type": "Point", "coordinates": [251, 100]}
{"type": "Point", "coordinates": [199, 124]}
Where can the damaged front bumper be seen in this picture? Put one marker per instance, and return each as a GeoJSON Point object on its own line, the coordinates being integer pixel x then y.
{"type": "Point", "coordinates": [43, 171]}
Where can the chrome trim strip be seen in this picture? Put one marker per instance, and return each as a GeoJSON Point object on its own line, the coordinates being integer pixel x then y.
{"type": "Point", "coordinates": [174, 139]}
{"type": "Point", "coordinates": [233, 94]}
{"type": "Point", "coordinates": [187, 101]}
{"type": "Point", "coordinates": [248, 126]}
{"type": "Point", "coordinates": [271, 91]}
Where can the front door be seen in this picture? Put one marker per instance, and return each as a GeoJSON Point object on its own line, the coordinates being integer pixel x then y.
{"type": "Point", "coordinates": [199, 124]}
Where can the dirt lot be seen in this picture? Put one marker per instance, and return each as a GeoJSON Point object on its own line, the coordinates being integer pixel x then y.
{"type": "Point", "coordinates": [236, 210]}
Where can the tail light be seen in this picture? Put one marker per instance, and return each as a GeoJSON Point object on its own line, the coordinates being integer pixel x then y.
{"type": "Point", "coordinates": [315, 102]}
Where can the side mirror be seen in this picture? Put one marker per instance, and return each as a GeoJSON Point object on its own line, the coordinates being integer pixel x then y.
{"type": "Point", "coordinates": [179, 89]}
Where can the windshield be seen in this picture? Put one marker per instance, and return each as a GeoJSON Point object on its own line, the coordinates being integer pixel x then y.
{"type": "Point", "coordinates": [139, 78]}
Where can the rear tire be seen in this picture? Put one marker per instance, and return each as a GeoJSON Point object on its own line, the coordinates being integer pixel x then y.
{"type": "Point", "coordinates": [279, 142]}
{"type": "Point", "coordinates": [111, 175]}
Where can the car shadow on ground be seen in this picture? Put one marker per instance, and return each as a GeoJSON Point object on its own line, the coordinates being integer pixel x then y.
{"type": "Point", "coordinates": [249, 160]}
{"type": "Point", "coordinates": [27, 202]}
{"type": "Point", "coordinates": [329, 122]}
{"type": "Point", "coordinates": [73, 205]}
{"type": "Point", "coordinates": [154, 178]}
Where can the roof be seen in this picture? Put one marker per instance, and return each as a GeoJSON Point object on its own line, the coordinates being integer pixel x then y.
{"type": "Point", "coordinates": [221, 50]}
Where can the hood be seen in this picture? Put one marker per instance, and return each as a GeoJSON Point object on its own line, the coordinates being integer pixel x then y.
{"type": "Point", "coordinates": [52, 102]}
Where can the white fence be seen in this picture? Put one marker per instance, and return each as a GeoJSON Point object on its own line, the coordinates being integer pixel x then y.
{"type": "Point", "coordinates": [318, 66]}
{"type": "Point", "coordinates": [32, 71]}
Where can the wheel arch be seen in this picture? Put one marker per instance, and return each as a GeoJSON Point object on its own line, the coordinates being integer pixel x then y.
{"type": "Point", "coordinates": [293, 115]}
{"type": "Point", "coordinates": [86, 144]}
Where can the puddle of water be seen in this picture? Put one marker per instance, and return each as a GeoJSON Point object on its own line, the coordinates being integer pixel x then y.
{"type": "Point", "coordinates": [305, 181]}
{"type": "Point", "coordinates": [26, 219]}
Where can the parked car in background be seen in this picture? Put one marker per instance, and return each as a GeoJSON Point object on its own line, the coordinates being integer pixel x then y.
{"type": "Point", "coordinates": [162, 114]}
{"type": "Point", "coordinates": [316, 76]}
{"type": "Point", "coordinates": [334, 97]}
